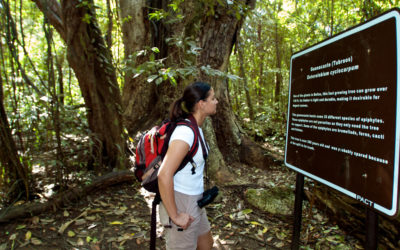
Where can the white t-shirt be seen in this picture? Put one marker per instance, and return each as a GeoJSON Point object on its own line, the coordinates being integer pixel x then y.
{"type": "Point", "coordinates": [184, 181]}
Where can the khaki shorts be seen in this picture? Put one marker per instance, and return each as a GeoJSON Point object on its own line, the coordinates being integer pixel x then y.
{"type": "Point", "coordinates": [186, 239]}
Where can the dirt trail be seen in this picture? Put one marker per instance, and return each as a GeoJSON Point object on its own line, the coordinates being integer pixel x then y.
{"type": "Point", "coordinates": [119, 218]}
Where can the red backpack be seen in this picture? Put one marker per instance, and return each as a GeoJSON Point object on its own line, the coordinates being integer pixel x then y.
{"type": "Point", "coordinates": [150, 152]}
{"type": "Point", "coordinates": [153, 146]}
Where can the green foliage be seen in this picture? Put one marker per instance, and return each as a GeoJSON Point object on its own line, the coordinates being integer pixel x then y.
{"type": "Point", "coordinates": [154, 69]}
{"type": "Point", "coordinates": [31, 114]}
{"type": "Point", "coordinates": [171, 15]}
{"type": "Point", "coordinates": [157, 15]}
{"type": "Point", "coordinates": [86, 18]}
{"type": "Point", "coordinates": [157, 71]}
{"type": "Point", "coordinates": [269, 36]}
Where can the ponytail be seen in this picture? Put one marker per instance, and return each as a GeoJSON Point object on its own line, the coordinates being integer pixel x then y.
{"type": "Point", "coordinates": [192, 94]}
{"type": "Point", "coordinates": [176, 111]}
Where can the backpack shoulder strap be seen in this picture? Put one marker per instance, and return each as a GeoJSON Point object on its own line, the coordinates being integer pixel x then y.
{"type": "Point", "coordinates": [195, 145]}
{"type": "Point", "coordinates": [204, 146]}
{"type": "Point", "coordinates": [197, 137]}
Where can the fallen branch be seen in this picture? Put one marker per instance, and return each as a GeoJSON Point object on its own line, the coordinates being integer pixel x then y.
{"type": "Point", "coordinates": [60, 200]}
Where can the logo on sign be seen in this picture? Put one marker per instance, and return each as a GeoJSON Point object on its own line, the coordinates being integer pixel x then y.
{"type": "Point", "coordinates": [364, 200]}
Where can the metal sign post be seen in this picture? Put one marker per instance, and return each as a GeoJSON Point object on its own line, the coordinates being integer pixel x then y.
{"type": "Point", "coordinates": [298, 209]}
{"type": "Point", "coordinates": [371, 241]}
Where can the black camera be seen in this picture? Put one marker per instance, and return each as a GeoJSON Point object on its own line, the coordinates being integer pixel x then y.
{"type": "Point", "coordinates": [208, 196]}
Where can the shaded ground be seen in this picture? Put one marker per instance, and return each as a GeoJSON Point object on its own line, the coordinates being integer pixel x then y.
{"type": "Point", "coordinates": [119, 218]}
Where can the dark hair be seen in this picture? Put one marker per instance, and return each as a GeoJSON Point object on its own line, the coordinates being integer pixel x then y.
{"type": "Point", "coordinates": [192, 94]}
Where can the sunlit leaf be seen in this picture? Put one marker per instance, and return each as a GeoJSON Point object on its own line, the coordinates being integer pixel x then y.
{"type": "Point", "coordinates": [13, 236]}
{"type": "Point", "coordinates": [119, 212]}
{"type": "Point", "coordinates": [36, 241]}
{"type": "Point", "coordinates": [151, 78]}
{"type": "Point", "coordinates": [72, 243]}
{"type": "Point", "coordinates": [20, 227]}
{"type": "Point", "coordinates": [71, 234]}
{"type": "Point", "coordinates": [80, 222]}
{"type": "Point", "coordinates": [44, 98]}
{"type": "Point", "coordinates": [281, 235]}
{"type": "Point", "coordinates": [46, 221]}
{"type": "Point", "coordinates": [80, 242]}
{"type": "Point", "coordinates": [28, 235]}
{"type": "Point", "coordinates": [327, 231]}
{"type": "Point", "coordinates": [331, 239]}
{"type": "Point", "coordinates": [116, 223]}
{"type": "Point", "coordinates": [247, 211]}
{"type": "Point", "coordinates": [159, 80]}
{"type": "Point", "coordinates": [103, 204]}
{"type": "Point", "coordinates": [91, 218]}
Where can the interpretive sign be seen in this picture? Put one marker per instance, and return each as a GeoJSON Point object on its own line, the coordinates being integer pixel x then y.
{"type": "Point", "coordinates": [343, 114]}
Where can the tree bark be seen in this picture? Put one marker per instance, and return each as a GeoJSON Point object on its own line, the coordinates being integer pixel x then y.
{"type": "Point", "coordinates": [219, 34]}
{"type": "Point", "coordinates": [92, 63]}
{"type": "Point", "coordinates": [15, 173]}
{"type": "Point", "coordinates": [215, 34]}
{"type": "Point", "coordinates": [278, 76]}
{"type": "Point", "coordinates": [145, 103]}
{"type": "Point", "coordinates": [138, 96]}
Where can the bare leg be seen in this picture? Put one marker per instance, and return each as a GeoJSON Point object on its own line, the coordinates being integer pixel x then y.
{"type": "Point", "coordinates": [205, 241]}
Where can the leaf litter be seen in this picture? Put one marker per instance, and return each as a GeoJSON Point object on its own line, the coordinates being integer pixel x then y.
{"type": "Point", "coordinates": [119, 217]}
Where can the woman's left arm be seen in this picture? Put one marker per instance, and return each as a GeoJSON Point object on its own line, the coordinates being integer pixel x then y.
{"type": "Point", "coordinates": [177, 150]}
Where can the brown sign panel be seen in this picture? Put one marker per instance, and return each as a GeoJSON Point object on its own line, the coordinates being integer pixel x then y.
{"type": "Point", "coordinates": [343, 119]}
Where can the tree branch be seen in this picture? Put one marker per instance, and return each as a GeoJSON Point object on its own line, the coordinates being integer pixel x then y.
{"type": "Point", "coordinates": [52, 10]}
{"type": "Point", "coordinates": [11, 37]}
{"type": "Point", "coordinates": [75, 194]}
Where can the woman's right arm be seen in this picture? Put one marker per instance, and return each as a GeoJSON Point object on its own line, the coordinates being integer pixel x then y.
{"type": "Point", "coordinates": [177, 150]}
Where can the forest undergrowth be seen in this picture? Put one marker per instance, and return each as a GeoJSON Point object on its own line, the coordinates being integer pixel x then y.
{"type": "Point", "coordinates": [118, 217]}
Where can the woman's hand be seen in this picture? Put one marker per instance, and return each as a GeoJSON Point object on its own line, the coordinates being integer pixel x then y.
{"type": "Point", "coordinates": [183, 220]}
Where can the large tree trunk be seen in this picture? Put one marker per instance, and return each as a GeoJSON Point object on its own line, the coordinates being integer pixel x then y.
{"type": "Point", "coordinates": [219, 34]}
{"type": "Point", "coordinates": [88, 55]}
{"type": "Point", "coordinates": [137, 94]}
{"type": "Point", "coordinates": [145, 103]}
{"type": "Point", "coordinates": [15, 174]}
{"type": "Point", "coordinates": [215, 34]}
{"type": "Point", "coordinates": [15, 178]}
